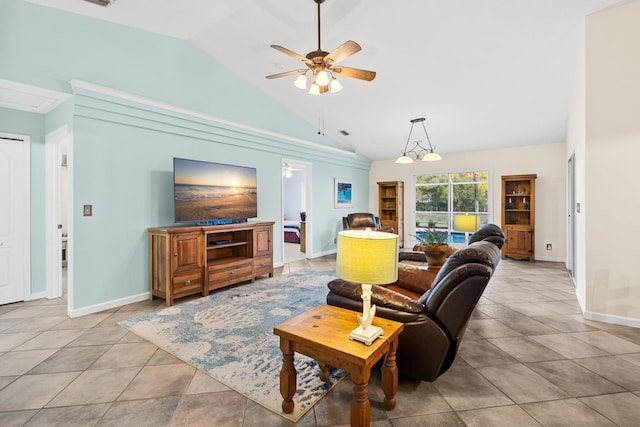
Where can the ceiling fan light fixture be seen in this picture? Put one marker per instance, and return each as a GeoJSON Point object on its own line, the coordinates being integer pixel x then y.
{"type": "Point", "coordinates": [335, 85]}
{"type": "Point", "coordinates": [323, 64]}
{"type": "Point", "coordinates": [315, 89]}
{"type": "Point", "coordinates": [301, 82]}
{"type": "Point", "coordinates": [322, 79]}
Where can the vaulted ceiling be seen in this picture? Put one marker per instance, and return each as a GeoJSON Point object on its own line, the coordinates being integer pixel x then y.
{"type": "Point", "coordinates": [484, 73]}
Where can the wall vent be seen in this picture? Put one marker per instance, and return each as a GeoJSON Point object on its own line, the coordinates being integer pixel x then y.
{"type": "Point", "coordinates": [104, 3]}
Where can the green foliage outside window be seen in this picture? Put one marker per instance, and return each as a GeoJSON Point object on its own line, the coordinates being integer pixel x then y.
{"type": "Point", "coordinates": [440, 196]}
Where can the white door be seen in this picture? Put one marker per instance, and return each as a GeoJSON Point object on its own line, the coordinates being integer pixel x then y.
{"type": "Point", "coordinates": [14, 218]}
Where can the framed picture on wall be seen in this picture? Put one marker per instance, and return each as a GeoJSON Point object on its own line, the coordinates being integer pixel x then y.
{"type": "Point", "coordinates": [343, 193]}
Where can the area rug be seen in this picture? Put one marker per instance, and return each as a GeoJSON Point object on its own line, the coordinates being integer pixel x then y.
{"type": "Point", "coordinates": [229, 335]}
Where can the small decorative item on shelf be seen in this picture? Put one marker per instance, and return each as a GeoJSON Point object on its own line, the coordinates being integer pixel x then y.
{"type": "Point", "coordinates": [525, 205]}
{"type": "Point", "coordinates": [390, 205]}
{"type": "Point", "coordinates": [509, 204]}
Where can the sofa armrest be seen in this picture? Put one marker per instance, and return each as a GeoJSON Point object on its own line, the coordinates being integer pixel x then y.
{"type": "Point", "coordinates": [418, 256]}
{"type": "Point", "coordinates": [380, 296]}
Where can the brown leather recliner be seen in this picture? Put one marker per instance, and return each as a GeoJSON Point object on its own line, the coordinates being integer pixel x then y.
{"type": "Point", "coordinates": [435, 322]}
{"type": "Point", "coordinates": [361, 221]}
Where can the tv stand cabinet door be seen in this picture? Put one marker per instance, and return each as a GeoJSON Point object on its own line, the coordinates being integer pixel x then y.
{"type": "Point", "coordinates": [186, 253]}
{"type": "Point", "coordinates": [262, 241]}
{"type": "Point", "coordinates": [263, 250]}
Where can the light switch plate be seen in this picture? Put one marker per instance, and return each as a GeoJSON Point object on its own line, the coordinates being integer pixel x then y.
{"type": "Point", "coordinates": [88, 210]}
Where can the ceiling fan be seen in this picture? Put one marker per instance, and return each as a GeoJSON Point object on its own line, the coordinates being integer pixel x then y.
{"type": "Point", "coordinates": [323, 66]}
{"type": "Point", "coordinates": [287, 170]}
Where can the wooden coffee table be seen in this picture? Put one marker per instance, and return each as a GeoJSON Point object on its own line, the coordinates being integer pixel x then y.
{"type": "Point", "coordinates": [323, 334]}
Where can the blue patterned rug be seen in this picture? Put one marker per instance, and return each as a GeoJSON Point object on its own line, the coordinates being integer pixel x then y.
{"type": "Point", "coordinates": [229, 335]}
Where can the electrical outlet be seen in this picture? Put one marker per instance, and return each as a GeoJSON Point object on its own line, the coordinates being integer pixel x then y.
{"type": "Point", "coordinates": [335, 241]}
{"type": "Point", "coordinates": [87, 210]}
{"type": "Point", "coordinates": [549, 246]}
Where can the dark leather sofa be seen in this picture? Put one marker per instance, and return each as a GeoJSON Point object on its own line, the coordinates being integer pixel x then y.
{"type": "Point", "coordinates": [435, 320]}
{"type": "Point", "coordinates": [362, 221]}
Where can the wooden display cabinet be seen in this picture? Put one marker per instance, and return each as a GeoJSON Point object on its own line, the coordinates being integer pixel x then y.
{"type": "Point", "coordinates": [391, 207]}
{"type": "Point", "coordinates": [196, 259]}
{"type": "Point", "coordinates": [518, 216]}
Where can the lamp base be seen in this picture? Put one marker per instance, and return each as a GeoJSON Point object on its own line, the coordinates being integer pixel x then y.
{"type": "Point", "coordinates": [366, 336]}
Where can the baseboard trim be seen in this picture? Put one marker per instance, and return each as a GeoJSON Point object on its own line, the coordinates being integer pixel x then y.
{"type": "Point", "coordinates": [550, 259]}
{"type": "Point", "coordinates": [321, 254]}
{"type": "Point", "coordinates": [616, 320]}
{"type": "Point", "coordinates": [77, 312]}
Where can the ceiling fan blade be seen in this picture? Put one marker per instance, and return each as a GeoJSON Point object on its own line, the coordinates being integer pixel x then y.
{"type": "Point", "coordinates": [342, 52]}
{"type": "Point", "coordinates": [291, 54]}
{"type": "Point", "coordinates": [286, 73]}
{"type": "Point", "coordinates": [355, 73]}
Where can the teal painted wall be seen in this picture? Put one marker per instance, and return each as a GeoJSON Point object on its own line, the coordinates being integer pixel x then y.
{"type": "Point", "coordinates": [31, 124]}
{"type": "Point", "coordinates": [120, 158]}
{"type": "Point", "coordinates": [47, 48]}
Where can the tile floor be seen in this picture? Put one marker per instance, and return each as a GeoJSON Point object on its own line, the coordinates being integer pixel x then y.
{"type": "Point", "coordinates": [528, 359]}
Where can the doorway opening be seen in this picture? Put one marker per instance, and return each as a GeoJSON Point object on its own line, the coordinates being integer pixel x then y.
{"type": "Point", "coordinates": [296, 209]}
{"type": "Point", "coordinates": [56, 203]}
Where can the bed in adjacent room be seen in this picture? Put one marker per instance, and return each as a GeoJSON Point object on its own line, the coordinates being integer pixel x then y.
{"type": "Point", "coordinates": [291, 231]}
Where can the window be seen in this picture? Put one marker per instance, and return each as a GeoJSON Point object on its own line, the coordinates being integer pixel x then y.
{"type": "Point", "coordinates": [442, 198]}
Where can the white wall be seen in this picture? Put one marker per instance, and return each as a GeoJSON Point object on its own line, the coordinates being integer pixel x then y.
{"type": "Point", "coordinates": [612, 199]}
{"type": "Point", "coordinates": [547, 161]}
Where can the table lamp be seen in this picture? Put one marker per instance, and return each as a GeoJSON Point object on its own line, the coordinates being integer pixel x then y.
{"type": "Point", "coordinates": [467, 223]}
{"type": "Point", "coordinates": [369, 258]}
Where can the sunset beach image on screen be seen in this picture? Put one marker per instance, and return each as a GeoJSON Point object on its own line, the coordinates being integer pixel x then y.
{"type": "Point", "coordinates": [206, 191]}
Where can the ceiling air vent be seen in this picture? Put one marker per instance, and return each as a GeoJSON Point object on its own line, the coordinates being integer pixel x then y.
{"type": "Point", "coordinates": [104, 3]}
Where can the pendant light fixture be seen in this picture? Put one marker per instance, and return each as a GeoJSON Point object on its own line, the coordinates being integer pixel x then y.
{"type": "Point", "coordinates": [417, 151]}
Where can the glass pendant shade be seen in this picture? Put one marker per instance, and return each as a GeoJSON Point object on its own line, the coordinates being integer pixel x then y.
{"type": "Point", "coordinates": [404, 159]}
{"type": "Point", "coordinates": [431, 157]}
{"type": "Point", "coordinates": [301, 82]}
{"type": "Point", "coordinates": [322, 79]}
{"type": "Point", "coordinates": [315, 89]}
{"type": "Point", "coordinates": [335, 85]}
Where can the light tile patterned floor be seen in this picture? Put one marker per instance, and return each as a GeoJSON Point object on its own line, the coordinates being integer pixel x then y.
{"type": "Point", "coordinates": [528, 358]}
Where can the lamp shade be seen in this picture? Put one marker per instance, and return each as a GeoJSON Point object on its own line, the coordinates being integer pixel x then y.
{"type": "Point", "coordinates": [366, 256]}
{"type": "Point", "coordinates": [465, 222]}
{"type": "Point", "coordinates": [431, 156]}
{"type": "Point", "coordinates": [335, 85]}
{"type": "Point", "coordinates": [301, 81]}
{"type": "Point", "coordinates": [404, 159]}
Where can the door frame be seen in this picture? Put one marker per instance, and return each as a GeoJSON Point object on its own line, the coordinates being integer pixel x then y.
{"type": "Point", "coordinates": [306, 167]}
{"type": "Point", "coordinates": [23, 223]}
{"type": "Point", "coordinates": [54, 141]}
{"type": "Point", "coordinates": [571, 218]}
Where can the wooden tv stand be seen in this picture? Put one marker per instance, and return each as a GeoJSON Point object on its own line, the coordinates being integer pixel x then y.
{"type": "Point", "coordinates": [198, 259]}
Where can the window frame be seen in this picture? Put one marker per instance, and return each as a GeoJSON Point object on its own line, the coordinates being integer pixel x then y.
{"type": "Point", "coordinates": [450, 184]}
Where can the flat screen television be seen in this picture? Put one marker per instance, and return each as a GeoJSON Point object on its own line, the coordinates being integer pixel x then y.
{"type": "Point", "coordinates": [213, 193]}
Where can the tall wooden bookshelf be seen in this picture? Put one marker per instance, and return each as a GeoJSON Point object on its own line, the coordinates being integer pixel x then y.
{"type": "Point", "coordinates": [391, 207]}
{"type": "Point", "coordinates": [519, 216]}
